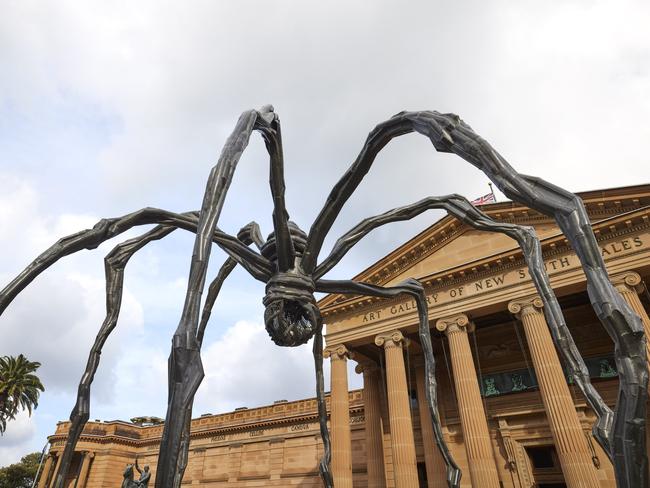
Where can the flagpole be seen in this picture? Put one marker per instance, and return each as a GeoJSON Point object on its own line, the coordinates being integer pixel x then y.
{"type": "Point", "coordinates": [492, 191]}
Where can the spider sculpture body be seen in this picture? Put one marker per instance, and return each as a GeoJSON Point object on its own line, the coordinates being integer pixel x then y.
{"type": "Point", "coordinates": [287, 262]}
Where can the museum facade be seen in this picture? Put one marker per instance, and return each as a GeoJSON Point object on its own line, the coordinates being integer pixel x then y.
{"type": "Point", "coordinates": [510, 413]}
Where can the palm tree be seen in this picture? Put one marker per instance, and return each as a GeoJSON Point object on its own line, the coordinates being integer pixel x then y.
{"type": "Point", "coordinates": [19, 387]}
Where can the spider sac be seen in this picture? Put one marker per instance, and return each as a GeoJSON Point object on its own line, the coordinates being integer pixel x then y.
{"type": "Point", "coordinates": [290, 315]}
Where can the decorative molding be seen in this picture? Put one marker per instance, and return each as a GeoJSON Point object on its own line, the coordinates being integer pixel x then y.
{"type": "Point", "coordinates": [627, 281]}
{"type": "Point", "coordinates": [367, 366]}
{"type": "Point", "coordinates": [337, 353]}
{"type": "Point", "coordinates": [222, 425]}
{"type": "Point", "coordinates": [454, 323]}
{"type": "Point", "coordinates": [553, 245]}
{"type": "Point", "coordinates": [524, 306]}
{"type": "Point", "coordinates": [394, 338]}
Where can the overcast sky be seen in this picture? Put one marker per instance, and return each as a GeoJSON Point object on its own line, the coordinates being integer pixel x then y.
{"type": "Point", "coordinates": [108, 107]}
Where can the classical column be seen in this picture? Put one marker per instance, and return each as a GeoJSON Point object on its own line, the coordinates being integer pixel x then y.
{"type": "Point", "coordinates": [629, 285]}
{"type": "Point", "coordinates": [59, 456]}
{"type": "Point", "coordinates": [399, 412]}
{"type": "Point", "coordinates": [85, 469]}
{"type": "Point", "coordinates": [47, 467]}
{"type": "Point", "coordinates": [568, 436]}
{"type": "Point", "coordinates": [434, 463]}
{"type": "Point", "coordinates": [482, 467]}
{"type": "Point", "coordinates": [340, 417]}
{"type": "Point", "coordinates": [372, 413]}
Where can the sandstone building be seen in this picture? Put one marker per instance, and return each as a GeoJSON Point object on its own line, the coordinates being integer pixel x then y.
{"type": "Point", "coordinates": [510, 415]}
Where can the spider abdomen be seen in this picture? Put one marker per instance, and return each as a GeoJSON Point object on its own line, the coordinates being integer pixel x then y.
{"type": "Point", "coordinates": [298, 238]}
{"type": "Point", "coordinates": [290, 313]}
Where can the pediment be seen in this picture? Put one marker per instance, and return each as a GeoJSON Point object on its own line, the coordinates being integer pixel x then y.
{"type": "Point", "coordinates": [467, 246]}
{"type": "Point", "coordinates": [451, 245]}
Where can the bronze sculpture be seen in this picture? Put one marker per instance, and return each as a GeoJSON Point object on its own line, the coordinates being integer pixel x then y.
{"type": "Point", "coordinates": [287, 263]}
{"type": "Point", "coordinates": [145, 474]}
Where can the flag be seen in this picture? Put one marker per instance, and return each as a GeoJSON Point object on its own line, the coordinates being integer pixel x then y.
{"type": "Point", "coordinates": [489, 198]}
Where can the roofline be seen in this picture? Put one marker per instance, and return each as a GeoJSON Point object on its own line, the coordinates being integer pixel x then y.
{"type": "Point", "coordinates": [591, 196]}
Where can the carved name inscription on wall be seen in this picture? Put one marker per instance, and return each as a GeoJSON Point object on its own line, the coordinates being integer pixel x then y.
{"type": "Point", "coordinates": [511, 277]}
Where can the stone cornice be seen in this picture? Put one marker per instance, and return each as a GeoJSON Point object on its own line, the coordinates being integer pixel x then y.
{"type": "Point", "coordinates": [147, 441]}
{"type": "Point", "coordinates": [600, 204]}
{"type": "Point", "coordinates": [105, 432]}
{"type": "Point", "coordinates": [605, 230]}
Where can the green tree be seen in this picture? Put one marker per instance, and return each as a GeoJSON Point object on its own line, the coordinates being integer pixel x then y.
{"type": "Point", "coordinates": [22, 474]}
{"type": "Point", "coordinates": [19, 387]}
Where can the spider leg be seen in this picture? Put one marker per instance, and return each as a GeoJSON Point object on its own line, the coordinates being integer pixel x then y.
{"type": "Point", "coordinates": [185, 369]}
{"type": "Point", "coordinates": [258, 266]}
{"type": "Point", "coordinates": [106, 229]}
{"type": "Point", "coordinates": [414, 289]}
{"type": "Point", "coordinates": [324, 463]}
{"type": "Point", "coordinates": [213, 292]}
{"type": "Point", "coordinates": [448, 133]}
{"type": "Point", "coordinates": [251, 234]}
{"type": "Point", "coordinates": [284, 245]}
{"type": "Point", "coordinates": [248, 234]}
{"type": "Point", "coordinates": [115, 262]}
{"type": "Point", "coordinates": [627, 439]}
{"type": "Point", "coordinates": [87, 239]}
{"type": "Point", "coordinates": [114, 265]}
{"type": "Point", "coordinates": [462, 209]}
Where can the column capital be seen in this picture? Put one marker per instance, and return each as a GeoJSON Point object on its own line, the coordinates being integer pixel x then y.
{"type": "Point", "coordinates": [627, 281]}
{"type": "Point", "coordinates": [337, 352]}
{"type": "Point", "coordinates": [527, 305]}
{"type": "Point", "coordinates": [394, 338]}
{"type": "Point", "coordinates": [366, 367]}
{"type": "Point", "coordinates": [454, 323]}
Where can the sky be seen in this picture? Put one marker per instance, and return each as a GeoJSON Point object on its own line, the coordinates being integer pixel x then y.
{"type": "Point", "coordinates": [109, 107]}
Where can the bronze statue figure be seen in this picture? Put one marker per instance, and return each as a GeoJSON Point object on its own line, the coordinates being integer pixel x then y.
{"type": "Point", "coordinates": [145, 475]}
{"type": "Point", "coordinates": [129, 482]}
{"type": "Point", "coordinates": [288, 263]}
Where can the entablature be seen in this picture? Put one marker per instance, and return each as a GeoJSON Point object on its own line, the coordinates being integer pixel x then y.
{"type": "Point", "coordinates": [494, 280]}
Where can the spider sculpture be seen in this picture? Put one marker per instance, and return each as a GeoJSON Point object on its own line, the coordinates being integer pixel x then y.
{"type": "Point", "coordinates": [287, 262]}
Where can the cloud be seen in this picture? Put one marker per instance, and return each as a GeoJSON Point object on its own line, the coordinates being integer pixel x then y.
{"type": "Point", "coordinates": [64, 307]}
{"type": "Point", "coordinates": [106, 108]}
{"type": "Point", "coordinates": [556, 90]}
{"type": "Point", "coordinates": [16, 439]}
{"type": "Point", "coordinates": [245, 369]}
{"type": "Point", "coordinates": [542, 83]}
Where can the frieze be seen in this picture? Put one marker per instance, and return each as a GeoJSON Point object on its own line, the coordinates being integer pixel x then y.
{"type": "Point", "coordinates": [503, 279]}
{"type": "Point", "coordinates": [618, 227]}
{"type": "Point", "coordinates": [450, 230]}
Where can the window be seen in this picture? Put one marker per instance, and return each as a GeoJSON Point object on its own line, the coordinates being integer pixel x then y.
{"type": "Point", "coordinates": [546, 467]}
{"type": "Point", "coordinates": [541, 457]}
